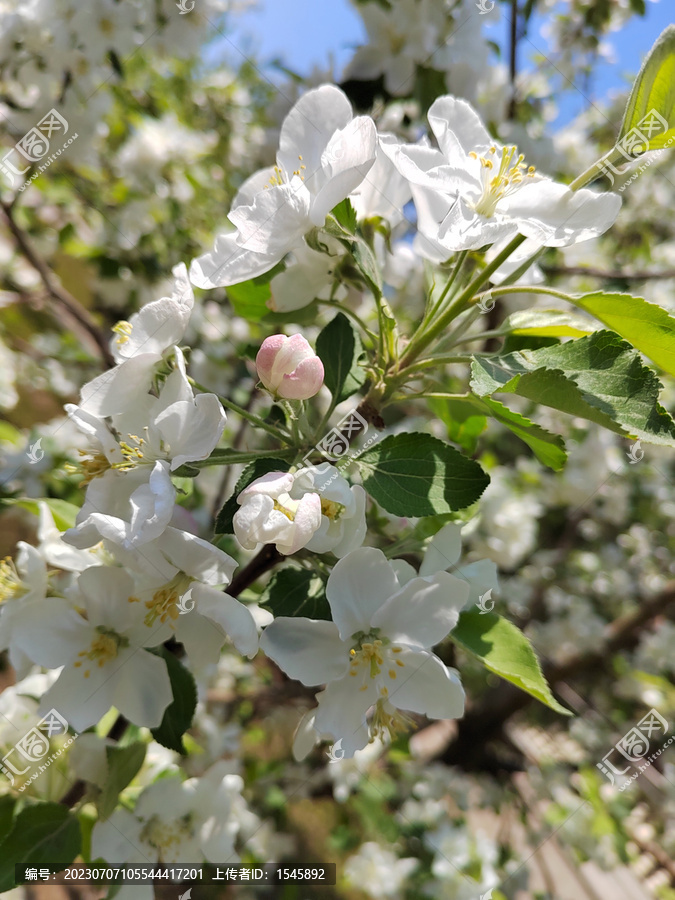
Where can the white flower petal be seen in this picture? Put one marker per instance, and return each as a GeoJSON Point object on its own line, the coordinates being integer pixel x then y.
{"type": "Point", "coordinates": [425, 685]}
{"type": "Point", "coordinates": [143, 689]}
{"type": "Point", "coordinates": [358, 586]}
{"type": "Point", "coordinates": [233, 617]}
{"type": "Point", "coordinates": [342, 713]}
{"type": "Point", "coordinates": [424, 611]}
{"type": "Point", "coordinates": [443, 550]}
{"type": "Point", "coordinates": [306, 649]}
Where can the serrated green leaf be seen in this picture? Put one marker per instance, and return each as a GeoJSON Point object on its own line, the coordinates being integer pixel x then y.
{"type": "Point", "coordinates": [345, 214]}
{"type": "Point", "coordinates": [546, 323]}
{"type": "Point", "coordinates": [64, 513]}
{"type": "Point", "coordinates": [505, 650]}
{"type": "Point", "coordinates": [600, 377]}
{"type": "Point", "coordinates": [123, 764]}
{"type": "Point", "coordinates": [254, 470]}
{"type": "Point", "coordinates": [654, 91]}
{"type": "Point", "coordinates": [548, 448]}
{"type": "Point", "coordinates": [42, 835]}
{"type": "Point", "coordinates": [296, 592]}
{"type": "Point", "coordinates": [646, 326]}
{"type": "Point", "coordinates": [249, 299]}
{"type": "Point", "coordinates": [339, 348]}
{"type": "Point", "coordinates": [415, 474]}
{"type": "Point", "coordinates": [179, 713]}
{"type": "Point", "coordinates": [464, 422]}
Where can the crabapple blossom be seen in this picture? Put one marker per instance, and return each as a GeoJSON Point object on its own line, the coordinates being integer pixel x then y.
{"type": "Point", "coordinates": [288, 367]}
{"type": "Point", "coordinates": [99, 638]}
{"type": "Point", "coordinates": [324, 153]}
{"type": "Point", "coordinates": [472, 191]}
{"type": "Point", "coordinates": [313, 508]}
{"type": "Point", "coordinates": [380, 630]}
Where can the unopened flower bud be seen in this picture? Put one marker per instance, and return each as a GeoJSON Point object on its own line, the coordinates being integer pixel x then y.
{"type": "Point", "coordinates": [288, 367]}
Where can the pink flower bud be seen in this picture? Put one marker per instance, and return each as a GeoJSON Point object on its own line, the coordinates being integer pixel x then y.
{"type": "Point", "coordinates": [288, 367]}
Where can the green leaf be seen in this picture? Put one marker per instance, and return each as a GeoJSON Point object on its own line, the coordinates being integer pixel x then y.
{"type": "Point", "coordinates": [345, 213]}
{"type": "Point", "coordinates": [654, 90]}
{"type": "Point", "coordinates": [546, 323]}
{"type": "Point", "coordinates": [255, 470]}
{"type": "Point", "coordinates": [123, 764]}
{"type": "Point", "coordinates": [249, 299]}
{"type": "Point", "coordinates": [505, 650]}
{"type": "Point", "coordinates": [64, 513]}
{"type": "Point", "coordinates": [646, 326]}
{"type": "Point", "coordinates": [179, 713]}
{"type": "Point", "coordinates": [339, 348]}
{"type": "Point", "coordinates": [414, 474]}
{"type": "Point", "coordinates": [7, 804]}
{"type": "Point", "coordinates": [296, 592]}
{"type": "Point", "coordinates": [599, 377]}
{"type": "Point", "coordinates": [43, 835]}
{"type": "Point", "coordinates": [465, 425]}
{"type": "Point", "coordinates": [548, 448]}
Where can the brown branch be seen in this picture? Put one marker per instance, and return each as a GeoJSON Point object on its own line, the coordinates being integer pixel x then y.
{"type": "Point", "coordinates": [609, 276]}
{"type": "Point", "coordinates": [55, 290]}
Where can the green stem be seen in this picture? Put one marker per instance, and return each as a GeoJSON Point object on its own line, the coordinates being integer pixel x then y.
{"type": "Point", "coordinates": [350, 312]}
{"type": "Point", "coordinates": [244, 413]}
{"type": "Point", "coordinates": [420, 342]}
{"type": "Point", "coordinates": [459, 262]}
{"type": "Point", "coordinates": [224, 457]}
{"type": "Point", "coordinates": [530, 289]}
{"type": "Point", "coordinates": [594, 171]}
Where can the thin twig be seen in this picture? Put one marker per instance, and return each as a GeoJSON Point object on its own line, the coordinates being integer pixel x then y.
{"type": "Point", "coordinates": [609, 276]}
{"type": "Point", "coordinates": [55, 290]}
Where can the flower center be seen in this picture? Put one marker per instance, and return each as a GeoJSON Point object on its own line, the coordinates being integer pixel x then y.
{"type": "Point", "coordinates": [164, 603]}
{"type": "Point", "coordinates": [123, 331]}
{"type": "Point", "coordinates": [332, 509]}
{"type": "Point", "coordinates": [285, 504]}
{"type": "Point", "coordinates": [508, 178]}
{"type": "Point", "coordinates": [92, 464]}
{"type": "Point", "coordinates": [104, 648]}
{"type": "Point", "coordinates": [371, 654]}
{"type": "Point", "coordinates": [165, 836]}
{"type": "Point", "coordinates": [387, 720]}
{"type": "Point", "coordinates": [280, 177]}
{"type": "Point", "coordinates": [11, 585]}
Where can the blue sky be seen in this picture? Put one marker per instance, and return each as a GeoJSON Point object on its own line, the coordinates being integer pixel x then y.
{"type": "Point", "coordinates": [304, 33]}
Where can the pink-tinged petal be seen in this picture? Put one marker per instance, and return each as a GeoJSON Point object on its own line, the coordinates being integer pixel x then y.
{"type": "Point", "coordinates": [234, 618]}
{"type": "Point", "coordinates": [272, 484]}
{"type": "Point", "coordinates": [358, 586]}
{"type": "Point", "coordinates": [292, 352]}
{"type": "Point", "coordinates": [143, 689]}
{"type": "Point", "coordinates": [424, 611]}
{"type": "Point", "coordinates": [307, 520]}
{"type": "Point", "coordinates": [304, 382]}
{"type": "Point", "coordinates": [424, 685]}
{"type": "Point", "coordinates": [555, 216]}
{"type": "Point", "coordinates": [264, 361]}
{"type": "Point", "coordinates": [342, 713]}
{"type": "Point", "coordinates": [228, 263]}
{"type": "Point", "coordinates": [307, 650]}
